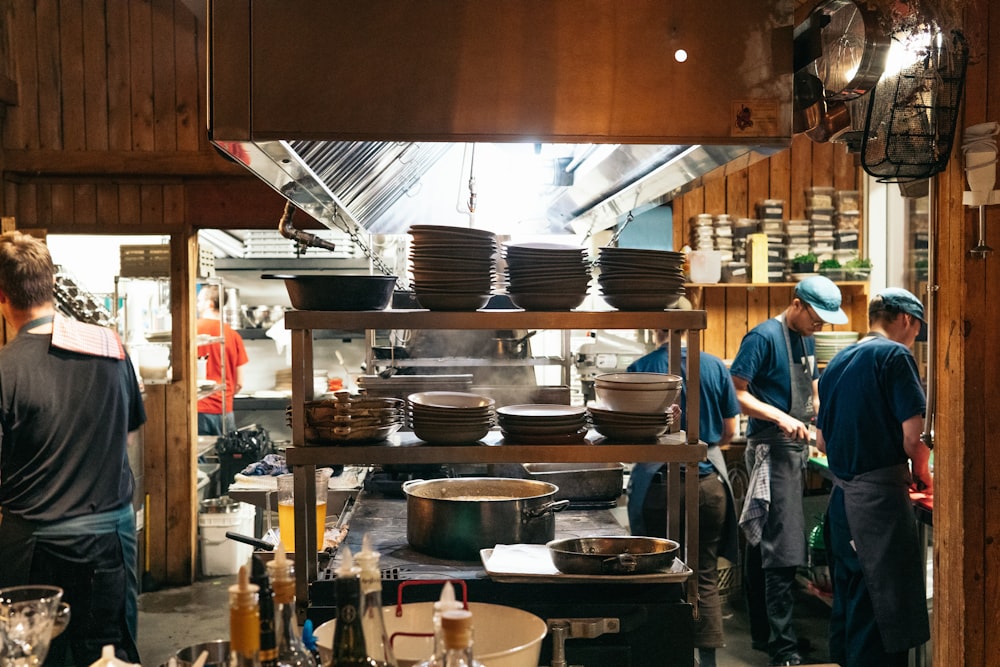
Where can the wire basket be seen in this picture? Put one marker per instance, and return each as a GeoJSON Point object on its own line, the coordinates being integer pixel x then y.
{"type": "Point", "coordinates": [911, 118]}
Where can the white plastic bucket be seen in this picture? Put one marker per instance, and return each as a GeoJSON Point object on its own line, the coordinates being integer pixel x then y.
{"type": "Point", "coordinates": [706, 266]}
{"type": "Point", "coordinates": [502, 636]}
{"type": "Point", "coordinates": [219, 554]}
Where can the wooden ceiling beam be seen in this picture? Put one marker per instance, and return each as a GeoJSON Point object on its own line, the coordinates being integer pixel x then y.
{"type": "Point", "coordinates": [48, 163]}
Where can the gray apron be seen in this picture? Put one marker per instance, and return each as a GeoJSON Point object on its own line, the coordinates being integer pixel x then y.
{"type": "Point", "coordinates": [884, 531]}
{"type": "Point", "coordinates": [783, 542]}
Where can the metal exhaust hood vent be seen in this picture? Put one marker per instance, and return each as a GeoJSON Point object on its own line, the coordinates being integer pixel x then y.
{"type": "Point", "coordinates": [378, 134]}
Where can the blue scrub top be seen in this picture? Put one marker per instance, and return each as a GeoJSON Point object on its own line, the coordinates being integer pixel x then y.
{"type": "Point", "coordinates": [762, 361]}
{"type": "Point", "coordinates": [865, 394]}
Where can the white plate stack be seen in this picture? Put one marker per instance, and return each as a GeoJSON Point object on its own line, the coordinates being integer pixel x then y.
{"type": "Point", "coordinates": [452, 267]}
{"type": "Point", "coordinates": [546, 276]}
{"type": "Point", "coordinates": [629, 426]}
{"type": "Point", "coordinates": [543, 424]}
{"type": "Point", "coordinates": [829, 343]}
{"type": "Point", "coordinates": [450, 417]}
{"type": "Point", "coordinates": [638, 279]}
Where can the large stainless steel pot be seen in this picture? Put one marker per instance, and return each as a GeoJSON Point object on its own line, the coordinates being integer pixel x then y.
{"type": "Point", "coordinates": [456, 518]}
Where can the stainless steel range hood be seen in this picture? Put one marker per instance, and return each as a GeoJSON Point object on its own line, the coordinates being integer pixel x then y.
{"type": "Point", "coordinates": [358, 111]}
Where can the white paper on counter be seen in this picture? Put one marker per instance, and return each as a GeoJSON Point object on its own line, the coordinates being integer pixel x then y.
{"type": "Point", "coordinates": [521, 559]}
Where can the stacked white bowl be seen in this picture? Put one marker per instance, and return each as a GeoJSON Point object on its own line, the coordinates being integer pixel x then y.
{"type": "Point", "coordinates": [638, 392]}
{"type": "Point", "coordinates": [634, 406]}
{"type": "Point", "coordinates": [450, 417]}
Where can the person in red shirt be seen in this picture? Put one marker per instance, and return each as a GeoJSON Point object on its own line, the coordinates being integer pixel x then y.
{"type": "Point", "coordinates": [210, 408]}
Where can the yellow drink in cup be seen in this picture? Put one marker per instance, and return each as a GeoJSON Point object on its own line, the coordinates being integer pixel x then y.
{"type": "Point", "coordinates": [286, 524]}
{"type": "Point", "coordinates": [286, 507]}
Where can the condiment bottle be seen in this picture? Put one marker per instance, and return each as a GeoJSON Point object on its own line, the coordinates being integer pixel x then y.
{"type": "Point", "coordinates": [349, 648]}
{"type": "Point", "coordinates": [446, 602]}
{"type": "Point", "coordinates": [268, 639]}
{"type": "Point", "coordinates": [244, 622]}
{"type": "Point", "coordinates": [456, 631]}
{"type": "Point", "coordinates": [292, 651]}
{"type": "Point", "coordinates": [376, 637]}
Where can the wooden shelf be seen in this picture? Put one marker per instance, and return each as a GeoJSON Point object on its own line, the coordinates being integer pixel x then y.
{"type": "Point", "coordinates": [406, 448]}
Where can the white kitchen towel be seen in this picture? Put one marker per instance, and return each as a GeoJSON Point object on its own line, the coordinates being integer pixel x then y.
{"type": "Point", "coordinates": [521, 559]}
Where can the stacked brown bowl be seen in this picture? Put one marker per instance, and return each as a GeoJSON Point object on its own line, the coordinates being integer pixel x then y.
{"type": "Point", "coordinates": [451, 417]}
{"type": "Point", "coordinates": [452, 267]}
{"type": "Point", "coordinates": [641, 279]}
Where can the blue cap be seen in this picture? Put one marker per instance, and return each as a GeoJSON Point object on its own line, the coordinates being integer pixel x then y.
{"type": "Point", "coordinates": [824, 296]}
{"type": "Point", "coordinates": [897, 300]}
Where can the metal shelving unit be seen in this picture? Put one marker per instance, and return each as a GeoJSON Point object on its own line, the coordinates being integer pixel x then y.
{"type": "Point", "coordinates": [403, 448]}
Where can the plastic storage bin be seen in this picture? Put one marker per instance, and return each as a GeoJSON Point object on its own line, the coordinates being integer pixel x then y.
{"type": "Point", "coordinates": [219, 554]}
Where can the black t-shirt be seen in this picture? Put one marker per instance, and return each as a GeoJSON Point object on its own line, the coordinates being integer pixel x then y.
{"type": "Point", "coordinates": [65, 420]}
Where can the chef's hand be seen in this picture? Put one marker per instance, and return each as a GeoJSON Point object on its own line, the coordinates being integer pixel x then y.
{"type": "Point", "coordinates": [793, 428]}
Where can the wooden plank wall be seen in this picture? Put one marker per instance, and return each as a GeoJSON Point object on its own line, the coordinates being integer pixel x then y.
{"type": "Point", "coordinates": [966, 619]}
{"type": "Point", "coordinates": [736, 189]}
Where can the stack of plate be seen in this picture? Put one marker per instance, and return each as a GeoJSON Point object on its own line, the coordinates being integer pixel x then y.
{"type": "Point", "coordinates": [450, 417]}
{"type": "Point", "coordinates": [401, 386]}
{"type": "Point", "coordinates": [634, 279]}
{"type": "Point", "coordinates": [629, 426]}
{"type": "Point", "coordinates": [543, 424]}
{"type": "Point", "coordinates": [829, 343]}
{"type": "Point", "coordinates": [452, 267]}
{"type": "Point", "coordinates": [546, 276]}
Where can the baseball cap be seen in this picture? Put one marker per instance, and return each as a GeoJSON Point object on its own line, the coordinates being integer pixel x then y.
{"type": "Point", "coordinates": [897, 300]}
{"type": "Point", "coordinates": [824, 296]}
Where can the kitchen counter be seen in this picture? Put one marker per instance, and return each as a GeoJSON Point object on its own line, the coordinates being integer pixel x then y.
{"type": "Point", "coordinates": [653, 621]}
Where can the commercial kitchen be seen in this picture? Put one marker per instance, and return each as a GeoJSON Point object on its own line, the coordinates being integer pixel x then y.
{"type": "Point", "coordinates": [172, 123]}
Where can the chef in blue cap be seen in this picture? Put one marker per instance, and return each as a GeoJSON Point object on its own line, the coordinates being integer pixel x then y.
{"type": "Point", "coordinates": [869, 425]}
{"type": "Point", "coordinates": [775, 377]}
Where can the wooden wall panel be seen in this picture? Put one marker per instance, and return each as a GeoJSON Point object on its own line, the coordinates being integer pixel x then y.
{"type": "Point", "coordinates": [190, 88]}
{"type": "Point", "coordinates": [164, 75]}
{"type": "Point", "coordinates": [73, 130]}
{"type": "Point", "coordinates": [781, 174]}
{"type": "Point", "coordinates": [737, 204]}
{"type": "Point", "coordinates": [49, 77]}
{"type": "Point", "coordinates": [95, 75]}
{"type": "Point", "coordinates": [20, 129]}
{"type": "Point", "coordinates": [119, 79]}
{"type": "Point", "coordinates": [85, 204]}
{"type": "Point", "coordinates": [822, 164]}
{"type": "Point", "coordinates": [800, 177]}
{"type": "Point", "coordinates": [141, 75]}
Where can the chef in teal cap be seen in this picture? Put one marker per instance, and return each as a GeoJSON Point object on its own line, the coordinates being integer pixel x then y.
{"type": "Point", "coordinates": [870, 424]}
{"type": "Point", "coordinates": [775, 377]}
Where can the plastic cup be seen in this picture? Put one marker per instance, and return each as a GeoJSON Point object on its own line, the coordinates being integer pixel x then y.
{"type": "Point", "coordinates": [286, 507]}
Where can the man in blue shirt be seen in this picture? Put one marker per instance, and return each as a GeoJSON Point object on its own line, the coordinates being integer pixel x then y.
{"type": "Point", "coordinates": [716, 508]}
{"type": "Point", "coordinates": [775, 377]}
{"type": "Point", "coordinates": [869, 426]}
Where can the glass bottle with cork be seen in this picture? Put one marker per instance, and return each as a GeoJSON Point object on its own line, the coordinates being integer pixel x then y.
{"type": "Point", "coordinates": [456, 632]}
{"type": "Point", "coordinates": [372, 621]}
{"type": "Point", "coordinates": [349, 649]}
{"type": "Point", "coordinates": [268, 639]}
{"type": "Point", "coordinates": [292, 651]}
{"type": "Point", "coordinates": [244, 622]}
